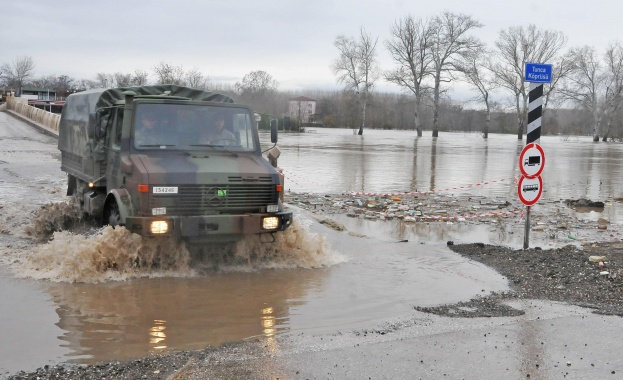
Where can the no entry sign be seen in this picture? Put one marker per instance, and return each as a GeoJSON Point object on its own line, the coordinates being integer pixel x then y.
{"type": "Point", "coordinates": [529, 190]}
{"type": "Point", "coordinates": [532, 160]}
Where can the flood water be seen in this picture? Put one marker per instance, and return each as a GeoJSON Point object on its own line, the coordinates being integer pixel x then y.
{"type": "Point", "coordinates": [47, 317]}
{"type": "Point", "coordinates": [397, 161]}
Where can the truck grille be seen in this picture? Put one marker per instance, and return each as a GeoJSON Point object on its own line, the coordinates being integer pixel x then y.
{"type": "Point", "coordinates": [211, 199]}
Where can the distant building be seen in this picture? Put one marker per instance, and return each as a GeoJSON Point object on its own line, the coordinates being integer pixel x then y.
{"type": "Point", "coordinates": [38, 94]}
{"type": "Point", "coordinates": [302, 108]}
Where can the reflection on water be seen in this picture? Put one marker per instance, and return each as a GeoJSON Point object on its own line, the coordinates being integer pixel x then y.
{"type": "Point", "coordinates": [158, 335]}
{"type": "Point", "coordinates": [129, 319]}
{"type": "Point", "coordinates": [268, 322]}
{"type": "Point", "coordinates": [335, 160]}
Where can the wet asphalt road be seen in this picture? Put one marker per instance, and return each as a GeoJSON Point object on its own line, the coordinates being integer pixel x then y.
{"type": "Point", "coordinates": [355, 321]}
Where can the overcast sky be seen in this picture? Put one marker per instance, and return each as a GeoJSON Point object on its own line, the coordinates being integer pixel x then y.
{"type": "Point", "coordinates": [291, 40]}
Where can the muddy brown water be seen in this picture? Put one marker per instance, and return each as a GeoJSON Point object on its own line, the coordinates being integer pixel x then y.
{"type": "Point", "coordinates": [56, 304]}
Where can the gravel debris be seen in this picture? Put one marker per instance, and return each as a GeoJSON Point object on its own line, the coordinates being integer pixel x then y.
{"type": "Point", "coordinates": [591, 276]}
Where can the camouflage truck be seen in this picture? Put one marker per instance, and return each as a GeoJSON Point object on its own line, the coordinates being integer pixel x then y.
{"type": "Point", "coordinates": [169, 180]}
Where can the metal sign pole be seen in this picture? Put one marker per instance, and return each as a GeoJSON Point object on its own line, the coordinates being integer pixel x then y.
{"type": "Point", "coordinates": [526, 236]}
{"type": "Point", "coordinates": [536, 74]}
{"type": "Point", "coordinates": [535, 110]}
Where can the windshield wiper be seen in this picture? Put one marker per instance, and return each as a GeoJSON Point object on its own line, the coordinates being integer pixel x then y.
{"type": "Point", "coordinates": [155, 145]}
{"type": "Point", "coordinates": [166, 147]}
{"type": "Point", "coordinates": [217, 146]}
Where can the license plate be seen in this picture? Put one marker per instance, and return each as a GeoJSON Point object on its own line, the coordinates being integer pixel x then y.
{"type": "Point", "coordinates": [164, 190]}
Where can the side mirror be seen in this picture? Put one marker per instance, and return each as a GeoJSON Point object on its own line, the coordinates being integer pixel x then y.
{"type": "Point", "coordinates": [273, 131]}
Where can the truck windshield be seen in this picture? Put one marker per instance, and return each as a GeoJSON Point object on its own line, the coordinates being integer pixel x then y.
{"type": "Point", "coordinates": [193, 127]}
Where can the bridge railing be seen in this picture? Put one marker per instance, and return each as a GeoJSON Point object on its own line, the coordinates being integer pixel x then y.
{"type": "Point", "coordinates": [45, 119]}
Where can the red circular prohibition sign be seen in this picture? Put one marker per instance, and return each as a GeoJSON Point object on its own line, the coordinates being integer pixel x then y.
{"type": "Point", "coordinates": [540, 160]}
{"type": "Point", "coordinates": [525, 190]}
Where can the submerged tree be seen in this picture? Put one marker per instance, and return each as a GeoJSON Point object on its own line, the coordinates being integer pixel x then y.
{"type": "Point", "coordinates": [409, 46]}
{"type": "Point", "coordinates": [357, 68]}
{"type": "Point", "coordinates": [614, 79]}
{"type": "Point", "coordinates": [451, 42]}
{"type": "Point", "coordinates": [475, 68]}
{"type": "Point", "coordinates": [596, 84]}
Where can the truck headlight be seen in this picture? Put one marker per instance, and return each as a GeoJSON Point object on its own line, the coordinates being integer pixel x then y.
{"type": "Point", "coordinates": [270, 223]}
{"type": "Point", "coordinates": [159, 227]}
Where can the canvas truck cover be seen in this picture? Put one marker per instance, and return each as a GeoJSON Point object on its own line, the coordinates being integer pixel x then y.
{"type": "Point", "coordinates": [81, 147]}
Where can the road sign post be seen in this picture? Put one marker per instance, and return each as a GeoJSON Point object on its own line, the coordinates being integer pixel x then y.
{"type": "Point", "coordinates": [537, 74]}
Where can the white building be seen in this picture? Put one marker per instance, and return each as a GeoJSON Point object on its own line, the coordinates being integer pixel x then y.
{"type": "Point", "coordinates": [302, 108]}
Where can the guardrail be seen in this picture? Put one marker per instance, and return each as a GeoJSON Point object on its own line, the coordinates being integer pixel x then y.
{"type": "Point", "coordinates": [40, 118]}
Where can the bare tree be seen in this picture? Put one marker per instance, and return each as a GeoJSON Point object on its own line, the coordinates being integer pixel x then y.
{"type": "Point", "coordinates": [45, 83]}
{"type": "Point", "coordinates": [61, 85]}
{"type": "Point", "coordinates": [167, 73]}
{"type": "Point", "coordinates": [123, 80]}
{"type": "Point", "coordinates": [18, 71]}
{"type": "Point", "coordinates": [195, 79]}
{"type": "Point", "coordinates": [596, 85]}
{"type": "Point", "coordinates": [409, 46]}
{"type": "Point", "coordinates": [585, 85]}
{"type": "Point", "coordinates": [64, 86]}
{"type": "Point", "coordinates": [475, 68]}
{"type": "Point", "coordinates": [258, 89]}
{"type": "Point", "coordinates": [86, 84]}
{"type": "Point", "coordinates": [451, 41]}
{"type": "Point", "coordinates": [105, 80]}
{"type": "Point", "coordinates": [256, 83]}
{"type": "Point", "coordinates": [356, 67]}
{"type": "Point", "coordinates": [516, 46]}
{"type": "Point", "coordinates": [140, 77]}
{"type": "Point", "coordinates": [614, 79]}
{"type": "Point", "coordinates": [562, 67]}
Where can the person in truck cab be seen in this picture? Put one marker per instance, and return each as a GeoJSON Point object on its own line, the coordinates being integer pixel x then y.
{"type": "Point", "coordinates": [217, 134]}
{"type": "Point", "coordinates": [146, 132]}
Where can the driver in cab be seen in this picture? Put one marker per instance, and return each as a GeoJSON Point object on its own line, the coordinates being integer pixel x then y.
{"type": "Point", "coordinates": [217, 134]}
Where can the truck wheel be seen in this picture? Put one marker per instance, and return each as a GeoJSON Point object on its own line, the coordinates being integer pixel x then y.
{"type": "Point", "coordinates": [72, 186]}
{"type": "Point", "coordinates": [112, 216]}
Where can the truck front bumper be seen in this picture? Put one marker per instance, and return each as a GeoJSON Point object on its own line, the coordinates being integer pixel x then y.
{"type": "Point", "coordinates": [209, 226]}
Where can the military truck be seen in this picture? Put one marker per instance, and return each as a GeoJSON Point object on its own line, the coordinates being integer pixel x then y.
{"type": "Point", "coordinates": [165, 176]}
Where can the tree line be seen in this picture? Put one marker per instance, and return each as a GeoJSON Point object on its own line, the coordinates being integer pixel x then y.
{"type": "Point", "coordinates": [427, 56]}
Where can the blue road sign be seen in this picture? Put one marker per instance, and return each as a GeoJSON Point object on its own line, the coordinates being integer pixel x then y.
{"type": "Point", "coordinates": [538, 72]}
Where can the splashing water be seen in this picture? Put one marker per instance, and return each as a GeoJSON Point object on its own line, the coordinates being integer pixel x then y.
{"type": "Point", "coordinates": [109, 255]}
{"type": "Point", "coordinates": [116, 254]}
{"type": "Point", "coordinates": [296, 247]}
{"type": "Point", "coordinates": [54, 217]}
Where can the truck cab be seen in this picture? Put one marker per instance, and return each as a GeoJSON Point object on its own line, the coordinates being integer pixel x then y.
{"type": "Point", "coordinates": [170, 161]}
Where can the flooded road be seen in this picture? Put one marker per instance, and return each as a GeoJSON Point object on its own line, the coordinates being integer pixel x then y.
{"type": "Point", "coordinates": [338, 281]}
{"type": "Point", "coordinates": [396, 161]}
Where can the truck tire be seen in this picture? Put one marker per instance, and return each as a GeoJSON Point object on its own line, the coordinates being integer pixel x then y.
{"type": "Point", "coordinates": [112, 216]}
{"type": "Point", "coordinates": [72, 186]}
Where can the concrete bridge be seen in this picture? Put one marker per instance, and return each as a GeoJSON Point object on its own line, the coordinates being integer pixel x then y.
{"type": "Point", "coordinates": [46, 121]}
